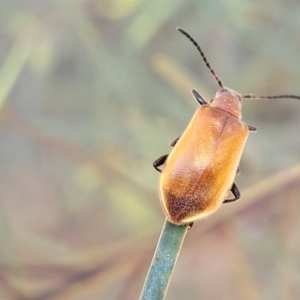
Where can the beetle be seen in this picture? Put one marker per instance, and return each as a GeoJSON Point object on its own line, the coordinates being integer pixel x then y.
{"type": "Point", "coordinates": [198, 174]}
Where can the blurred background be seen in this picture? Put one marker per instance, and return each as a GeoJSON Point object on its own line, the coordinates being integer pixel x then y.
{"type": "Point", "coordinates": [91, 93]}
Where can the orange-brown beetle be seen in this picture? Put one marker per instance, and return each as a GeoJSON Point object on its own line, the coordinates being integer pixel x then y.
{"type": "Point", "coordinates": [199, 172]}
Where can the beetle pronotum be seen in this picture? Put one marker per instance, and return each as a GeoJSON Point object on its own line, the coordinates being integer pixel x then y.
{"type": "Point", "coordinates": [199, 172]}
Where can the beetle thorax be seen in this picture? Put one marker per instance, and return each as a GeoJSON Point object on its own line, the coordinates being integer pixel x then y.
{"type": "Point", "coordinates": [229, 101]}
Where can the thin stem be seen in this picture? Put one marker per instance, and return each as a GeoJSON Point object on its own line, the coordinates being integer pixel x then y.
{"type": "Point", "coordinates": [163, 262]}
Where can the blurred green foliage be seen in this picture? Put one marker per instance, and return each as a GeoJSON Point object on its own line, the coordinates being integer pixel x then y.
{"type": "Point", "coordinates": [91, 93]}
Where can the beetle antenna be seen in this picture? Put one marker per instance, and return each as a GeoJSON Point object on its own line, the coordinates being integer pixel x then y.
{"type": "Point", "coordinates": [202, 55]}
{"type": "Point", "coordinates": [250, 96]}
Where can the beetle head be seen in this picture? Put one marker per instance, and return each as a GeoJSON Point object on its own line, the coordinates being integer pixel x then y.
{"type": "Point", "coordinates": [229, 101]}
{"type": "Point", "coordinates": [226, 99]}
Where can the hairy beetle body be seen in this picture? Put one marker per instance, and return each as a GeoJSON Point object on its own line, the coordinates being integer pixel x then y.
{"type": "Point", "coordinates": [200, 170]}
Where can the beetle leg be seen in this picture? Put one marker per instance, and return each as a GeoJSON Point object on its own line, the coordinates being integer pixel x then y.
{"type": "Point", "coordinates": [238, 171]}
{"type": "Point", "coordinates": [190, 225]}
{"type": "Point", "coordinates": [252, 128]}
{"type": "Point", "coordinates": [159, 162]}
{"type": "Point", "coordinates": [174, 142]}
{"type": "Point", "coordinates": [236, 193]}
{"type": "Point", "coordinates": [199, 98]}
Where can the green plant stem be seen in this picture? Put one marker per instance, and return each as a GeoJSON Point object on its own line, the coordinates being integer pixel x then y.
{"type": "Point", "coordinates": [163, 262]}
